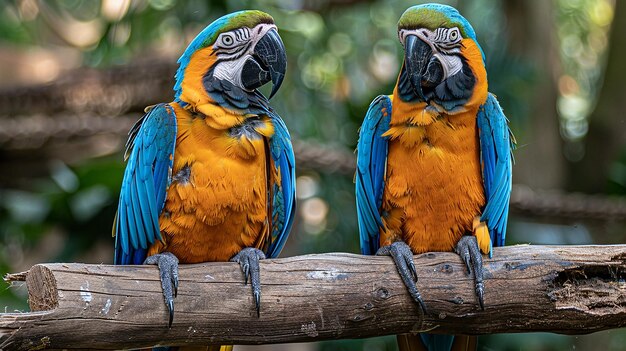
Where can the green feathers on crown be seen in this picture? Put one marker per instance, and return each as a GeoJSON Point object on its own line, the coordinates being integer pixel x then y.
{"type": "Point", "coordinates": [249, 18]}
{"type": "Point", "coordinates": [433, 16]}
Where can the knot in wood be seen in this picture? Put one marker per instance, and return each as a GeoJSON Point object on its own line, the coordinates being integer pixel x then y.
{"type": "Point", "coordinates": [457, 300]}
{"type": "Point", "coordinates": [446, 268]}
{"type": "Point", "coordinates": [382, 293]}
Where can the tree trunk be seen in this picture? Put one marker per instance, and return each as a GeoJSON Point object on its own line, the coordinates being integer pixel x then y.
{"type": "Point", "coordinates": [539, 157]}
{"type": "Point", "coordinates": [607, 123]}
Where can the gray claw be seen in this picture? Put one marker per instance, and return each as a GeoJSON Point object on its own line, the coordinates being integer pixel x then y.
{"type": "Point", "coordinates": [402, 256]}
{"type": "Point", "coordinates": [480, 292]}
{"type": "Point", "coordinates": [467, 248]}
{"type": "Point", "coordinates": [175, 277]}
{"type": "Point", "coordinates": [246, 270]}
{"type": "Point", "coordinates": [411, 265]}
{"type": "Point", "coordinates": [168, 272]}
{"type": "Point", "coordinates": [257, 302]}
{"type": "Point", "coordinates": [170, 307]}
{"type": "Point", "coordinates": [248, 260]}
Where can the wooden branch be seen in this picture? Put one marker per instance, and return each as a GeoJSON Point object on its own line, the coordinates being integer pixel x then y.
{"type": "Point", "coordinates": [566, 289]}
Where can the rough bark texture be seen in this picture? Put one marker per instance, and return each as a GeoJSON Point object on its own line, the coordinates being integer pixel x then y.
{"type": "Point", "coordinates": [567, 289]}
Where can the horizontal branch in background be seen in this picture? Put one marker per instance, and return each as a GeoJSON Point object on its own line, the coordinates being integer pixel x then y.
{"type": "Point", "coordinates": [86, 103]}
{"type": "Point", "coordinates": [569, 290]}
{"type": "Point", "coordinates": [108, 92]}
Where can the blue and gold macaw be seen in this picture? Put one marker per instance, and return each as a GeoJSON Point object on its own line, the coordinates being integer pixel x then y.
{"type": "Point", "coordinates": [434, 158]}
{"type": "Point", "coordinates": [210, 176]}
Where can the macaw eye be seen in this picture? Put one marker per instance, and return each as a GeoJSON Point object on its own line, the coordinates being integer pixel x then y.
{"type": "Point", "coordinates": [226, 40]}
{"type": "Point", "coordinates": [454, 35]}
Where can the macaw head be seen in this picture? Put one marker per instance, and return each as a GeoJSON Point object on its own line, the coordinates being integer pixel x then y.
{"type": "Point", "coordinates": [230, 59]}
{"type": "Point", "coordinates": [443, 63]}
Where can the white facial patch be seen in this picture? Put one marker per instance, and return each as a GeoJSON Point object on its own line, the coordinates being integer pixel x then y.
{"type": "Point", "coordinates": [231, 70]}
{"type": "Point", "coordinates": [234, 48]}
{"type": "Point", "coordinates": [451, 64]}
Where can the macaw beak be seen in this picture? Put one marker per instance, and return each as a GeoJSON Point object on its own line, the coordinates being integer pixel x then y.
{"type": "Point", "coordinates": [424, 69]}
{"type": "Point", "coordinates": [268, 62]}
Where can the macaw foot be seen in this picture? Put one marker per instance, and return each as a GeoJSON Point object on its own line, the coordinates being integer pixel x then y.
{"type": "Point", "coordinates": [468, 249]}
{"type": "Point", "coordinates": [168, 269]}
{"type": "Point", "coordinates": [248, 260]}
{"type": "Point", "coordinates": [402, 256]}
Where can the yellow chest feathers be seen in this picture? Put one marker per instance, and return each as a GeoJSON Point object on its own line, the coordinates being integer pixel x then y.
{"type": "Point", "coordinates": [220, 133]}
{"type": "Point", "coordinates": [442, 152]}
{"type": "Point", "coordinates": [217, 201]}
{"type": "Point", "coordinates": [426, 131]}
{"type": "Point", "coordinates": [433, 183]}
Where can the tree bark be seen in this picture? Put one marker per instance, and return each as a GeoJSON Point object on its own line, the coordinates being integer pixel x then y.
{"type": "Point", "coordinates": [567, 289]}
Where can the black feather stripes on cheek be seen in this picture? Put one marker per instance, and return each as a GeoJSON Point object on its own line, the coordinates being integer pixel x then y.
{"type": "Point", "coordinates": [405, 88]}
{"type": "Point", "coordinates": [225, 93]}
{"type": "Point", "coordinates": [228, 95]}
{"type": "Point", "coordinates": [456, 90]}
{"type": "Point", "coordinates": [450, 93]}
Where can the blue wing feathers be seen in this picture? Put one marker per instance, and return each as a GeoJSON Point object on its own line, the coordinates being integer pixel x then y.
{"type": "Point", "coordinates": [132, 217]}
{"type": "Point", "coordinates": [496, 145]}
{"type": "Point", "coordinates": [139, 233]}
{"type": "Point", "coordinates": [283, 194]}
{"type": "Point", "coordinates": [367, 223]}
{"type": "Point", "coordinates": [162, 179]}
{"type": "Point", "coordinates": [371, 163]}
{"type": "Point", "coordinates": [144, 223]}
{"type": "Point", "coordinates": [149, 155]}
{"type": "Point", "coordinates": [122, 226]}
{"type": "Point", "coordinates": [138, 257]}
{"type": "Point", "coordinates": [147, 191]}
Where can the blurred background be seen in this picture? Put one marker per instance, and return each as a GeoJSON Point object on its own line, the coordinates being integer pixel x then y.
{"type": "Point", "coordinates": [76, 74]}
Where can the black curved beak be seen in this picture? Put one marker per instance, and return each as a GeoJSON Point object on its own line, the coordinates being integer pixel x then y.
{"type": "Point", "coordinates": [269, 62]}
{"type": "Point", "coordinates": [424, 69]}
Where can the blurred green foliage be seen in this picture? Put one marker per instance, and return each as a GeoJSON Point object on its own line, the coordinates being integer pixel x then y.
{"type": "Point", "coordinates": [583, 37]}
{"type": "Point", "coordinates": [58, 219]}
{"type": "Point", "coordinates": [341, 55]}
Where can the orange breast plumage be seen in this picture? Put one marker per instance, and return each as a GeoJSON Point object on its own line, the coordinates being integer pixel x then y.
{"type": "Point", "coordinates": [434, 186]}
{"type": "Point", "coordinates": [216, 204]}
